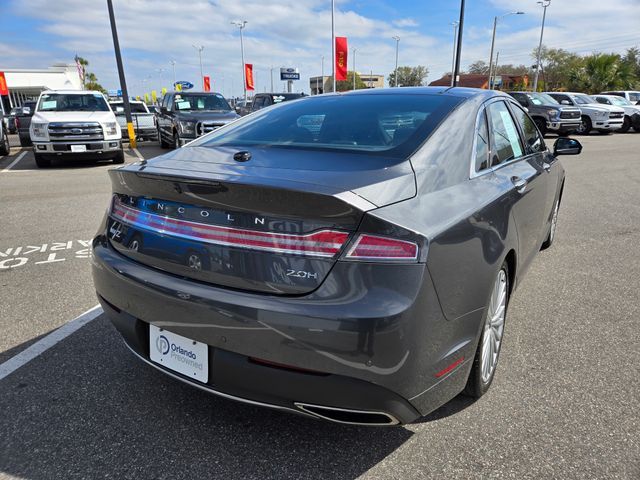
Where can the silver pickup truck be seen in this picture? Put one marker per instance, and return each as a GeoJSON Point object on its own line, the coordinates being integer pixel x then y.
{"type": "Point", "coordinates": [144, 122]}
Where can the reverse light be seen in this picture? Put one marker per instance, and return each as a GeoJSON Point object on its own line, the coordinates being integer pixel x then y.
{"type": "Point", "coordinates": [372, 247]}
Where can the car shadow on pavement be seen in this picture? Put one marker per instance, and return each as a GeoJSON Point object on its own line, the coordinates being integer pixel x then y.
{"type": "Point", "coordinates": [88, 408]}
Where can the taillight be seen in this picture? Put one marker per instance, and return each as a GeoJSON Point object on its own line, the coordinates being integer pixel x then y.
{"type": "Point", "coordinates": [372, 247]}
{"type": "Point", "coordinates": [322, 243]}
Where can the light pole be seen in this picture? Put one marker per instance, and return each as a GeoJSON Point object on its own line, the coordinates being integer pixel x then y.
{"type": "Point", "coordinates": [544, 4]}
{"type": "Point", "coordinates": [493, 41]}
{"type": "Point", "coordinates": [453, 55]}
{"type": "Point", "coordinates": [241, 24]}
{"type": "Point", "coordinates": [395, 74]}
{"type": "Point", "coordinates": [333, 42]}
{"type": "Point", "coordinates": [459, 44]}
{"type": "Point", "coordinates": [271, 72]}
{"type": "Point", "coordinates": [354, 68]}
{"type": "Point", "coordinates": [173, 65]}
{"type": "Point", "coordinates": [200, 48]}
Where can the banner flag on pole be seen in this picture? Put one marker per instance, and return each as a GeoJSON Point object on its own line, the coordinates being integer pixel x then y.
{"type": "Point", "coordinates": [248, 74]}
{"type": "Point", "coordinates": [207, 83]}
{"type": "Point", "coordinates": [4, 90]}
{"type": "Point", "coordinates": [146, 98]}
{"type": "Point", "coordinates": [341, 58]}
{"type": "Point", "coordinates": [154, 96]}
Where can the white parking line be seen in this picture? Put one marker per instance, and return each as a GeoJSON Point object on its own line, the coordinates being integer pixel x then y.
{"type": "Point", "coordinates": [138, 154]}
{"type": "Point", "coordinates": [14, 162]}
{"type": "Point", "coordinates": [44, 344]}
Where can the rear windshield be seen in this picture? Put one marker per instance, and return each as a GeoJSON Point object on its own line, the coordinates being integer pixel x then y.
{"type": "Point", "coordinates": [60, 102]}
{"type": "Point", "coordinates": [387, 124]}
{"type": "Point", "coordinates": [135, 108]}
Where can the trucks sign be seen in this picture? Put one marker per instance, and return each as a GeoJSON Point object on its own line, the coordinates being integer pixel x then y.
{"type": "Point", "coordinates": [289, 74]}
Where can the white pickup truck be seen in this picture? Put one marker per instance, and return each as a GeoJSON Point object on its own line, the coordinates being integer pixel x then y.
{"type": "Point", "coordinates": [76, 125]}
{"type": "Point", "coordinates": [144, 121]}
{"type": "Point", "coordinates": [595, 116]}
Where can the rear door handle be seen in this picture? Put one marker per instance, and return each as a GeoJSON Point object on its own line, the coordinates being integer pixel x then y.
{"type": "Point", "coordinates": [519, 183]}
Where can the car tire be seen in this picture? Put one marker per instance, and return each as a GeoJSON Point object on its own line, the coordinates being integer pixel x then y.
{"type": "Point", "coordinates": [41, 162]}
{"type": "Point", "coordinates": [542, 125]}
{"type": "Point", "coordinates": [552, 228]}
{"type": "Point", "coordinates": [4, 146]}
{"type": "Point", "coordinates": [25, 141]}
{"type": "Point", "coordinates": [585, 126]}
{"type": "Point", "coordinates": [176, 140]}
{"type": "Point", "coordinates": [626, 125]}
{"type": "Point", "coordinates": [119, 158]}
{"type": "Point", "coordinates": [163, 144]}
{"type": "Point", "coordinates": [490, 342]}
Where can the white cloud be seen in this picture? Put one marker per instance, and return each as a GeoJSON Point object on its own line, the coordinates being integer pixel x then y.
{"type": "Point", "coordinates": [297, 33]}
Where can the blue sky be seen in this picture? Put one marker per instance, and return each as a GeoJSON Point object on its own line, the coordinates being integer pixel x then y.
{"type": "Point", "coordinates": [37, 33]}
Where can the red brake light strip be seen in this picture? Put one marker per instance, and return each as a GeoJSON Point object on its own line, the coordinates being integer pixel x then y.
{"type": "Point", "coordinates": [323, 243]}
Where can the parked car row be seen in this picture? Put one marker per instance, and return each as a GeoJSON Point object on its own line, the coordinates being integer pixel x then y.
{"type": "Point", "coordinates": [566, 113]}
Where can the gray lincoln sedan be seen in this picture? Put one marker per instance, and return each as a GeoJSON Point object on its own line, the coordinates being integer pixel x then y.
{"type": "Point", "coordinates": [348, 257]}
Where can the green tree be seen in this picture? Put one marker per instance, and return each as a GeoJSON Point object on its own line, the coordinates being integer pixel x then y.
{"type": "Point", "coordinates": [632, 58]}
{"type": "Point", "coordinates": [90, 81]}
{"type": "Point", "coordinates": [409, 76]}
{"type": "Point", "coordinates": [601, 71]}
{"type": "Point", "coordinates": [479, 67]}
{"type": "Point", "coordinates": [346, 85]}
{"type": "Point", "coordinates": [556, 67]}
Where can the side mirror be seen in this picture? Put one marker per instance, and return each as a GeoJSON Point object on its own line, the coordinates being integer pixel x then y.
{"type": "Point", "coordinates": [565, 102]}
{"type": "Point", "coordinates": [567, 146]}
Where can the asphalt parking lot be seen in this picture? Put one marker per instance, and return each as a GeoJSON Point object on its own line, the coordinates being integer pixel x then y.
{"type": "Point", "coordinates": [565, 402]}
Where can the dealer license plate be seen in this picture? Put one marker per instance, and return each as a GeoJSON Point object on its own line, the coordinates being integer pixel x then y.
{"type": "Point", "coordinates": [178, 353]}
{"type": "Point", "coordinates": [78, 148]}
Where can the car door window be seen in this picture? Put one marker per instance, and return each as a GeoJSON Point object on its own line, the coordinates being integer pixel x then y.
{"type": "Point", "coordinates": [505, 140]}
{"type": "Point", "coordinates": [532, 137]}
{"type": "Point", "coordinates": [522, 99]}
{"type": "Point", "coordinates": [258, 103]}
{"type": "Point", "coordinates": [482, 143]}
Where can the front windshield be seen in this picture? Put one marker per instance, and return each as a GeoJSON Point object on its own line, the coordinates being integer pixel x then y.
{"type": "Point", "coordinates": [63, 102]}
{"type": "Point", "coordinates": [619, 101]}
{"type": "Point", "coordinates": [135, 107]}
{"type": "Point", "coordinates": [392, 125]}
{"type": "Point", "coordinates": [583, 99]}
{"type": "Point", "coordinates": [200, 102]}
{"type": "Point", "coordinates": [541, 99]}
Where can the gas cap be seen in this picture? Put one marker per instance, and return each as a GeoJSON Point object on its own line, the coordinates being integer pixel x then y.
{"type": "Point", "coordinates": [242, 156]}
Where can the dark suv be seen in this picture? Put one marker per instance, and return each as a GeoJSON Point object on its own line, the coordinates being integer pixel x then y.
{"type": "Point", "coordinates": [185, 116]}
{"type": "Point", "coordinates": [262, 100]}
{"type": "Point", "coordinates": [548, 114]}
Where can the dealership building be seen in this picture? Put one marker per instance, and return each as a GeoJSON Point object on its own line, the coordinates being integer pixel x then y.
{"type": "Point", "coordinates": [320, 84]}
{"type": "Point", "coordinates": [26, 84]}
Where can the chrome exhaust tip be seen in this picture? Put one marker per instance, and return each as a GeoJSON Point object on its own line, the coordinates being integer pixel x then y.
{"type": "Point", "coordinates": [348, 416]}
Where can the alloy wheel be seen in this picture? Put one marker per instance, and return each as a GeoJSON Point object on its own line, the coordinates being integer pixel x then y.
{"type": "Point", "coordinates": [494, 327]}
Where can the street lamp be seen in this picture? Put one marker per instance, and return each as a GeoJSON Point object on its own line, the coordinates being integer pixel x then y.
{"type": "Point", "coordinates": [173, 65]}
{"type": "Point", "coordinates": [241, 24]}
{"type": "Point", "coordinates": [453, 59]}
{"type": "Point", "coordinates": [544, 4]}
{"type": "Point", "coordinates": [354, 68]}
{"type": "Point", "coordinates": [493, 41]}
{"type": "Point", "coordinates": [200, 48]}
{"type": "Point", "coordinates": [397, 39]}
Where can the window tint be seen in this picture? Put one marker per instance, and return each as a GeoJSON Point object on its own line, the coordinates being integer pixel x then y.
{"type": "Point", "coordinates": [505, 140]}
{"type": "Point", "coordinates": [606, 101]}
{"type": "Point", "coordinates": [531, 136]}
{"type": "Point", "coordinates": [482, 143]}
{"type": "Point", "coordinates": [392, 125]}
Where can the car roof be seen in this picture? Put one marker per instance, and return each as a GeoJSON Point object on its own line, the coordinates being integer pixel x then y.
{"type": "Point", "coordinates": [72, 92]}
{"type": "Point", "coordinates": [461, 92]}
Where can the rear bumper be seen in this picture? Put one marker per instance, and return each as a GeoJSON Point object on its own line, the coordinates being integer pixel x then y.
{"type": "Point", "coordinates": [375, 347]}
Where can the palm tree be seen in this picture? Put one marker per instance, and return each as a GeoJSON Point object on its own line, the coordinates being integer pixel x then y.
{"type": "Point", "coordinates": [600, 72]}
